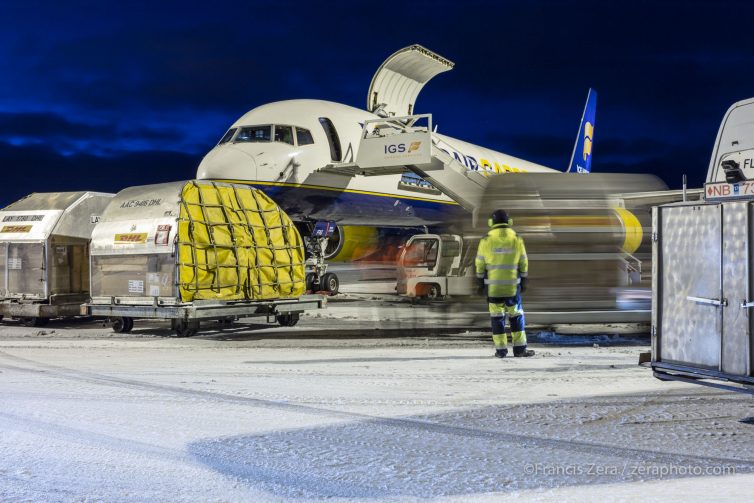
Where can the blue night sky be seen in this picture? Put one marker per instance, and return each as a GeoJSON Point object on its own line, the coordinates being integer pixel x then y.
{"type": "Point", "coordinates": [103, 95]}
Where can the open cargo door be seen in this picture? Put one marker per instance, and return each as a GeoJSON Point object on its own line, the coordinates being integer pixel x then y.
{"type": "Point", "coordinates": [401, 77]}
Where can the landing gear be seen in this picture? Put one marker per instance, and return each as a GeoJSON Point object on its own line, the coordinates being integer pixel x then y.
{"type": "Point", "coordinates": [331, 283]}
{"type": "Point", "coordinates": [123, 325]}
{"type": "Point", "coordinates": [317, 277]}
{"type": "Point", "coordinates": [287, 320]}
{"type": "Point", "coordinates": [310, 282]}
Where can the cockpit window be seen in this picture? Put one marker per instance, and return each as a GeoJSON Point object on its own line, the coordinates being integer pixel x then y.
{"type": "Point", "coordinates": [228, 136]}
{"type": "Point", "coordinates": [304, 137]}
{"type": "Point", "coordinates": [277, 133]}
{"type": "Point", "coordinates": [252, 134]}
{"type": "Point", "coordinates": [284, 134]}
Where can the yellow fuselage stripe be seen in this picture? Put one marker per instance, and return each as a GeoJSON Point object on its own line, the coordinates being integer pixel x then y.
{"type": "Point", "coordinates": [335, 189]}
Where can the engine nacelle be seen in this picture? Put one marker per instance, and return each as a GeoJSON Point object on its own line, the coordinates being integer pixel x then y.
{"type": "Point", "coordinates": [351, 243]}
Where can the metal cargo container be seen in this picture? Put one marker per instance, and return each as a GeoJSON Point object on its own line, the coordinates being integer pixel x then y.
{"type": "Point", "coordinates": [44, 262]}
{"type": "Point", "coordinates": [702, 269]}
{"type": "Point", "coordinates": [195, 250]}
{"type": "Point", "coordinates": [702, 292]}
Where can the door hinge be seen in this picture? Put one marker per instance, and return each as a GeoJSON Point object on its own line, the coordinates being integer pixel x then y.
{"type": "Point", "coordinates": [655, 237]}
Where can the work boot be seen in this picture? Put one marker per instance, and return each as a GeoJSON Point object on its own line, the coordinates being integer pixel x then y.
{"type": "Point", "coordinates": [522, 352]}
{"type": "Point", "coordinates": [501, 353]}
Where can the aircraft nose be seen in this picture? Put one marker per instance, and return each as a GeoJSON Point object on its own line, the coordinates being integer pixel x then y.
{"type": "Point", "coordinates": [227, 162]}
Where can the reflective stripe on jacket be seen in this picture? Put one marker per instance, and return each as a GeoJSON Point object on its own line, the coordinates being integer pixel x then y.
{"type": "Point", "coordinates": [501, 260]}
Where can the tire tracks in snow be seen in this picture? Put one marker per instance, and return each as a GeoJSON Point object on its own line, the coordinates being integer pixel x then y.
{"type": "Point", "coordinates": [26, 424]}
{"type": "Point", "coordinates": [530, 441]}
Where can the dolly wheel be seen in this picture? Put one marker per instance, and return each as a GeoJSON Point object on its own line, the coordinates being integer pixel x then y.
{"type": "Point", "coordinates": [123, 325]}
{"type": "Point", "coordinates": [288, 320]}
{"type": "Point", "coordinates": [185, 328]}
{"type": "Point", "coordinates": [35, 321]}
{"type": "Point", "coordinates": [227, 321]}
{"type": "Point", "coordinates": [331, 283]}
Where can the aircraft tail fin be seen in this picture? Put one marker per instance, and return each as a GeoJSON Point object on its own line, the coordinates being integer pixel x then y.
{"type": "Point", "coordinates": [581, 158]}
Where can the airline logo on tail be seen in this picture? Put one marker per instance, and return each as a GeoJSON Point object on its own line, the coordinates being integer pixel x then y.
{"type": "Point", "coordinates": [583, 163]}
{"type": "Point", "coordinates": [588, 134]}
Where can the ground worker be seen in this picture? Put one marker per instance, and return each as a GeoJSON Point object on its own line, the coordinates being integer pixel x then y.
{"type": "Point", "coordinates": [502, 266]}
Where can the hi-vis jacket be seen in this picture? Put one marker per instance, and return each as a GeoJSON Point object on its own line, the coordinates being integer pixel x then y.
{"type": "Point", "coordinates": [502, 258]}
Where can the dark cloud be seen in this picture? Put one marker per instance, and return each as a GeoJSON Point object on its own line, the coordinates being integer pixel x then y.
{"type": "Point", "coordinates": [143, 77]}
{"type": "Point", "coordinates": [39, 168]}
{"type": "Point", "coordinates": [50, 127]}
{"type": "Point", "coordinates": [42, 125]}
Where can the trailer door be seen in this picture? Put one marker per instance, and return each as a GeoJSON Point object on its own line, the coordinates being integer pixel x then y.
{"type": "Point", "coordinates": [26, 270]}
{"type": "Point", "coordinates": [689, 286]}
{"type": "Point", "coordinates": [735, 351]}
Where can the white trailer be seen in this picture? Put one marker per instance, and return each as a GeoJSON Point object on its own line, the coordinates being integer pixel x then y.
{"type": "Point", "coordinates": [703, 288]}
{"type": "Point", "coordinates": [44, 254]}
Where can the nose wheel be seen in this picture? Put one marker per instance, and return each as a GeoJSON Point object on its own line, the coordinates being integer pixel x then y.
{"type": "Point", "coordinates": [317, 277]}
{"type": "Point", "coordinates": [331, 283]}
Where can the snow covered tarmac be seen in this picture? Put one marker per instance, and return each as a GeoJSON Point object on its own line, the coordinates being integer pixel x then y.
{"type": "Point", "coordinates": [271, 416]}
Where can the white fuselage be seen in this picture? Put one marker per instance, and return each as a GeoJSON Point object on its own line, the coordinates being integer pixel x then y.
{"type": "Point", "coordinates": [279, 166]}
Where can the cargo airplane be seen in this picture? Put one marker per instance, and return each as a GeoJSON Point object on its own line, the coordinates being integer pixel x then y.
{"type": "Point", "coordinates": [282, 147]}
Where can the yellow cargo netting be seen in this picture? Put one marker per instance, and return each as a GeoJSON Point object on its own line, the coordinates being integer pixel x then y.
{"type": "Point", "coordinates": [235, 243]}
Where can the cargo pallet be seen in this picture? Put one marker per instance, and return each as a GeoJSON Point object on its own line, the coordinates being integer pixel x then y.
{"type": "Point", "coordinates": [36, 313]}
{"type": "Point", "coordinates": [186, 317]}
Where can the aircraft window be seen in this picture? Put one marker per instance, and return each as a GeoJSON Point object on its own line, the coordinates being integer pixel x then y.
{"type": "Point", "coordinates": [332, 138]}
{"type": "Point", "coordinates": [284, 134]}
{"type": "Point", "coordinates": [228, 136]}
{"type": "Point", "coordinates": [304, 137]}
{"type": "Point", "coordinates": [253, 134]}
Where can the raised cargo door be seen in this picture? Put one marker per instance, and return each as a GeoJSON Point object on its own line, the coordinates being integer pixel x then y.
{"type": "Point", "coordinates": [690, 285]}
{"type": "Point", "coordinates": [401, 77]}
